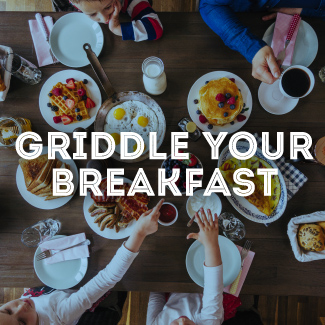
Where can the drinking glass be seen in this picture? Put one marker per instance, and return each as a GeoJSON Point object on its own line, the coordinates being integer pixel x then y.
{"type": "Point", "coordinates": [23, 69]}
{"type": "Point", "coordinates": [231, 226]}
{"type": "Point", "coordinates": [40, 232]}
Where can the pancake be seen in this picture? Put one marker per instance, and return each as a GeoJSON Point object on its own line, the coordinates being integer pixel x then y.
{"type": "Point", "coordinates": [209, 105]}
{"type": "Point", "coordinates": [265, 204]}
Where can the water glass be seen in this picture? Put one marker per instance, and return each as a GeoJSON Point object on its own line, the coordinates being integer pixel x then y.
{"type": "Point", "coordinates": [40, 232]}
{"type": "Point", "coordinates": [23, 69]}
{"type": "Point", "coordinates": [231, 226]}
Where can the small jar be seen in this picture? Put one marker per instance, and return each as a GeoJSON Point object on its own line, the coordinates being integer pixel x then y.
{"type": "Point", "coordinates": [154, 77]}
{"type": "Point", "coordinates": [11, 128]}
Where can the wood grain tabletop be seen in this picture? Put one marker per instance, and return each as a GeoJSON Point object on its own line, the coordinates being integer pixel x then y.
{"type": "Point", "coordinates": [189, 49]}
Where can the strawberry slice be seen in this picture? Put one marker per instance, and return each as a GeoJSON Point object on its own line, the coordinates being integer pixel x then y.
{"type": "Point", "coordinates": [69, 103]}
{"type": "Point", "coordinates": [68, 80]}
{"type": "Point", "coordinates": [66, 119]}
{"type": "Point", "coordinates": [90, 103]}
{"type": "Point", "coordinates": [57, 119]}
{"type": "Point", "coordinates": [57, 91]}
{"type": "Point", "coordinates": [71, 84]}
{"type": "Point", "coordinates": [192, 161]}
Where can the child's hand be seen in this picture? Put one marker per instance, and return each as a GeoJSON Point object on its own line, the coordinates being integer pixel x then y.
{"type": "Point", "coordinates": [114, 21]}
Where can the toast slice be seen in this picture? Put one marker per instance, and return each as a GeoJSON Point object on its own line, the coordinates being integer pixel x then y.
{"type": "Point", "coordinates": [32, 167]}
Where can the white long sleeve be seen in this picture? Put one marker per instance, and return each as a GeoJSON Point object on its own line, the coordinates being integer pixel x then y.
{"type": "Point", "coordinates": [157, 301]}
{"type": "Point", "coordinates": [66, 307]}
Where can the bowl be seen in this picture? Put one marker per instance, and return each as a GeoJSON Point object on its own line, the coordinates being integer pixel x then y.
{"type": "Point", "coordinates": [175, 218]}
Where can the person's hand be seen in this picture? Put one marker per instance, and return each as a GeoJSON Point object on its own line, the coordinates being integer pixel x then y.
{"type": "Point", "coordinates": [114, 21]}
{"type": "Point", "coordinates": [265, 66]}
{"type": "Point", "coordinates": [288, 11]}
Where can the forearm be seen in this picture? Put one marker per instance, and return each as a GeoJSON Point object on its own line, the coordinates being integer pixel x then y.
{"type": "Point", "coordinates": [212, 255]}
{"type": "Point", "coordinates": [135, 241]}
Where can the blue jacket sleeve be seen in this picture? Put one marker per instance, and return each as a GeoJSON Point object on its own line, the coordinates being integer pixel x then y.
{"type": "Point", "coordinates": [221, 18]}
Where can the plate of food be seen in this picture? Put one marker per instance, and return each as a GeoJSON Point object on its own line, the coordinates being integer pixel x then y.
{"type": "Point", "coordinates": [62, 275]}
{"type": "Point", "coordinates": [114, 217]}
{"type": "Point", "coordinates": [230, 260]}
{"type": "Point", "coordinates": [68, 36]}
{"type": "Point", "coordinates": [69, 99]}
{"type": "Point", "coordinates": [219, 101]}
{"type": "Point", "coordinates": [34, 180]}
{"type": "Point", "coordinates": [306, 46]}
{"type": "Point", "coordinates": [255, 207]}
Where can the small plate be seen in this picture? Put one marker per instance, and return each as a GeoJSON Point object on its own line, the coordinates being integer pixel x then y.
{"type": "Point", "coordinates": [306, 46]}
{"type": "Point", "coordinates": [61, 76]}
{"type": "Point", "coordinates": [106, 233]}
{"type": "Point", "coordinates": [39, 202]}
{"type": "Point", "coordinates": [68, 36]}
{"type": "Point", "coordinates": [245, 208]}
{"type": "Point", "coordinates": [273, 101]}
{"type": "Point", "coordinates": [230, 260]}
{"type": "Point", "coordinates": [194, 94]}
{"type": "Point", "coordinates": [62, 275]}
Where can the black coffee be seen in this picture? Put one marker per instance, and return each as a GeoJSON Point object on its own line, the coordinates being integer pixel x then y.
{"type": "Point", "coordinates": [295, 82]}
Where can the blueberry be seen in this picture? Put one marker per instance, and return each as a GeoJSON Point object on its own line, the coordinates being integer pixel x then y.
{"type": "Point", "coordinates": [65, 97]}
{"type": "Point", "coordinates": [239, 89]}
{"type": "Point", "coordinates": [242, 111]}
{"type": "Point", "coordinates": [232, 106]}
{"type": "Point", "coordinates": [85, 81]}
{"type": "Point", "coordinates": [228, 95]}
{"type": "Point", "coordinates": [225, 114]}
{"type": "Point", "coordinates": [79, 117]}
{"type": "Point", "coordinates": [49, 105]}
{"type": "Point", "coordinates": [198, 112]}
{"type": "Point", "coordinates": [77, 110]}
{"type": "Point", "coordinates": [210, 126]}
{"type": "Point", "coordinates": [50, 94]}
{"type": "Point", "coordinates": [206, 82]}
{"type": "Point", "coordinates": [84, 97]}
{"type": "Point", "coordinates": [232, 123]}
{"type": "Point", "coordinates": [54, 108]}
{"type": "Point", "coordinates": [196, 101]}
{"type": "Point", "coordinates": [221, 104]}
{"type": "Point", "coordinates": [244, 105]}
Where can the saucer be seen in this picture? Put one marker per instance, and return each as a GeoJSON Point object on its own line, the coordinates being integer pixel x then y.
{"type": "Point", "coordinates": [273, 101]}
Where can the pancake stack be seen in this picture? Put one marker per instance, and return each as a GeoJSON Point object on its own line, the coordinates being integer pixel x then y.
{"type": "Point", "coordinates": [209, 103]}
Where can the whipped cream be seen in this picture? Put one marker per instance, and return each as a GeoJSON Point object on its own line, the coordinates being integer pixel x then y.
{"type": "Point", "coordinates": [198, 201]}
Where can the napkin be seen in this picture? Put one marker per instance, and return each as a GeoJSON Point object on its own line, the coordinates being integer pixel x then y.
{"type": "Point", "coordinates": [42, 47]}
{"type": "Point", "coordinates": [247, 264]}
{"type": "Point", "coordinates": [280, 33]}
{"type": "Point", "coordinates": [65, 242]}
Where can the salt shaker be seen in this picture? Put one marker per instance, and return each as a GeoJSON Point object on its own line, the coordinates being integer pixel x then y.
{"type": "Point", "coordinates": [154, 77]}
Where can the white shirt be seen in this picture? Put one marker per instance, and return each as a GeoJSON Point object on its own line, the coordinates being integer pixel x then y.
{"type": "Point", "coordinates": [206, 310]}
{"type": "Point", "coordinates": [66, 307]}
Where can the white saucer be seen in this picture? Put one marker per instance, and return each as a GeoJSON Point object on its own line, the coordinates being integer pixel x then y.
{"type": "Point", "coordinates": [273, 101]}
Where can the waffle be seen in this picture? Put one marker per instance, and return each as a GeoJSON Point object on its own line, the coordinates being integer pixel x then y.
{"type": "Point", "coordinates": [79, 85]}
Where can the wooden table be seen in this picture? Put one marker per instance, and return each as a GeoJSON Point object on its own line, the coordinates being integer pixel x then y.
{"type": "Point", "coordinates": [189, 49]}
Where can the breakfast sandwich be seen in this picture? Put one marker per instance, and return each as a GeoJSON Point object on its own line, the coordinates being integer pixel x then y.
{"type": "Point", "coordinates": [220, 101]}
{"type": "Point", "coordinates": [265, 204]}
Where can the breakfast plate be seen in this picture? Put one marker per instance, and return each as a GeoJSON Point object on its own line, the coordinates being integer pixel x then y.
{"type": "Point", "coordinates": [62, 275]}
{"type": "Point", "coordinates": [106, 233]}
{"type": "Point", "coordinates": [68, 36]}
{"type": "Point", "coordinates": [245, 208]}
{"type": "Point", "coordinates": [194, 95]}
{"type": "Point", "coordinates": [39, 202]}
{"type": "Point", "coordinates": [230, 260]}
{"type": "Point", "coordinates": [306, 46]}
{"type": "Point", "coordinates": [61, 76]}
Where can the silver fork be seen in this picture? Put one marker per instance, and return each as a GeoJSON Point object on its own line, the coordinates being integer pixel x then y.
{"type": "Point", "coordinates": [51, 252]}
{"type": "Point", "coordinates": [243, 255]}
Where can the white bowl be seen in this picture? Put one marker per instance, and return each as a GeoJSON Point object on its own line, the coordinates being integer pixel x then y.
{"type": "Point", "coordinates": [172, 222]}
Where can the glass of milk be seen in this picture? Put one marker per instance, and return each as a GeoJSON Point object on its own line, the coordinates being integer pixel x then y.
{"type": "Point", "coordinates": [154, 77]}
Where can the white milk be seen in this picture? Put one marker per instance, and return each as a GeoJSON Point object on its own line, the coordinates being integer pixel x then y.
{"type": "Point", "coordinates": [154, 77]}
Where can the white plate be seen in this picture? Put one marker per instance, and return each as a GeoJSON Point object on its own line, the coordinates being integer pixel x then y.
{"type": "Point", "coordinates": [106, 233]}
{"type": "Point", "coordinates": [194, 94]}
{"type": "Point", "coordinates": [190, 211]}
{"type": "Point", "coordinates": [272, 100]}
{"type": "Point", "coordinates": [39, 202]}
{"type": "Point", "coordinates": [306, 46]}
{"type": "Point", "coordinates": [61, 76]}
{"type": "Point", "coordinates": [62, 275]}
{"type": "Point", "coordinates": [230, 260]}
{"type": "Point", "coordinates": [245, 208]}
{"type": "Point", "coordinates": [68, 36]}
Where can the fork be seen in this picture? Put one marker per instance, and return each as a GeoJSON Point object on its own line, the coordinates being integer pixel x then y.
{"type": "Point", "coordinates": [244, 253]}
{"type": "Point", "coordinates": [51, 252]}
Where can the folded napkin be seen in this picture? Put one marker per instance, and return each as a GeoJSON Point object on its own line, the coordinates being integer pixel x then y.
{"type": "Point", "coordinates": [65, 242]}
{"type": "Point", "coordinates": [280, 33]}
{"type": "Point", "coordinates": [42, 48]}
{"type": "Point", "coordinates": [247, 264]}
